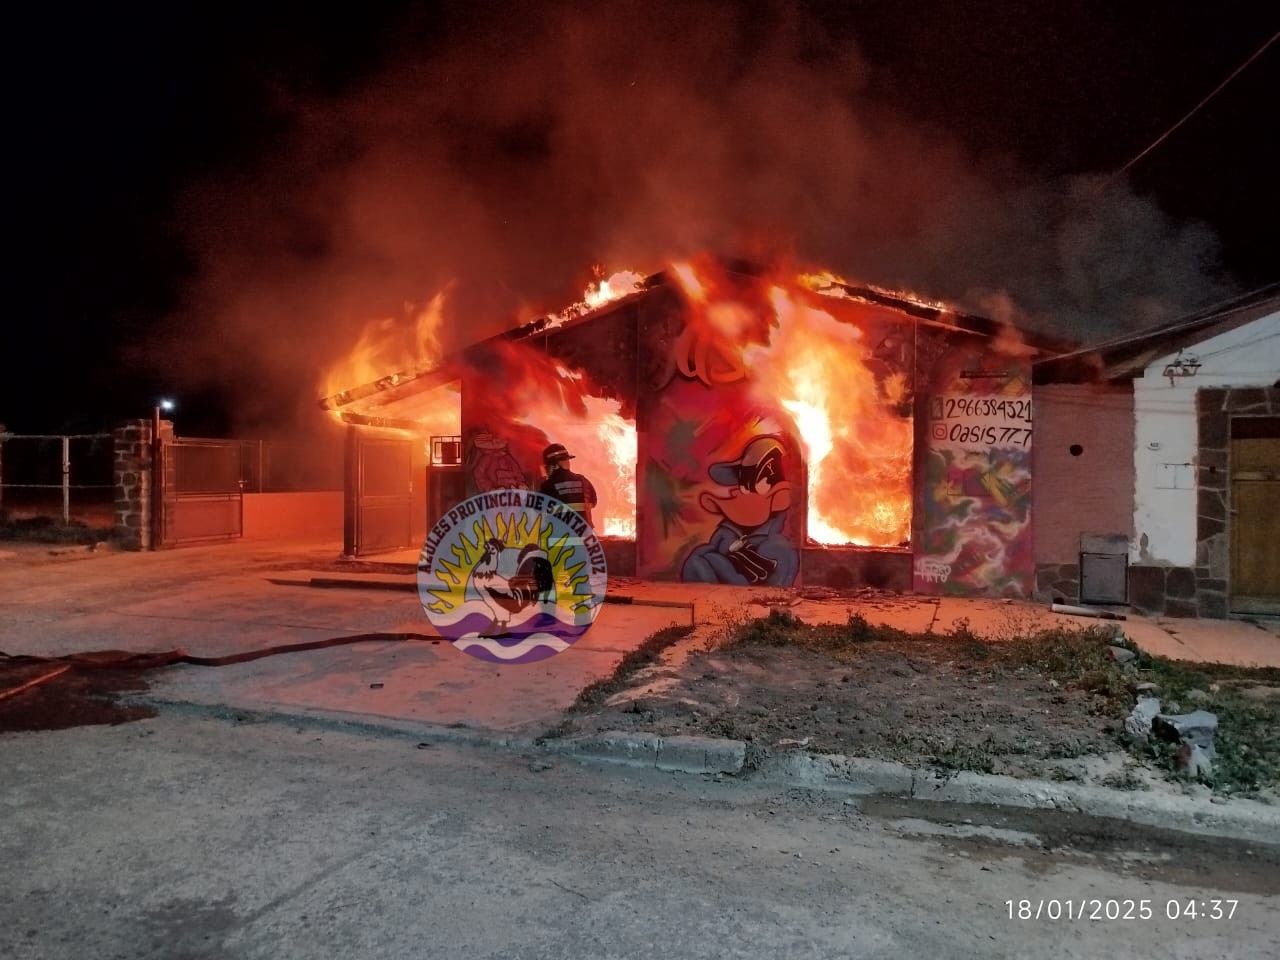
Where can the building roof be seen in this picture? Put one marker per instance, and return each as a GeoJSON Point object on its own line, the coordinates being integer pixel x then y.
{"type": "Point", "coordinates": [387, 390]}
{"type": "Point", "coordinates": [1126, 357]}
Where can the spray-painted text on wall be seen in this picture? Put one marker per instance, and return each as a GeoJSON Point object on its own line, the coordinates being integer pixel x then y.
{"type": "Point", "coordinates": [961, 422]}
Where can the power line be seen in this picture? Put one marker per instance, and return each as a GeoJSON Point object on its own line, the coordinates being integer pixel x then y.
{"type": "Point", "coordinates": [1213, 93]}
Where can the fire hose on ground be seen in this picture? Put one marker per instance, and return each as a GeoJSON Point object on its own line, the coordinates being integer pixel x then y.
{"type": "Point", "coordinates": [124, 660]}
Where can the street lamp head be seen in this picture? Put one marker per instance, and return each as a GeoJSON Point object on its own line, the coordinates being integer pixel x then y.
{"type": "Point", "coordinates": [167, 405]}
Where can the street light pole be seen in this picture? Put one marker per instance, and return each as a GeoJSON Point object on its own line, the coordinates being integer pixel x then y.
{"type": "Point", "coordinates": [157, 474]}
{"type": "Point", "coordinates": [155, 478]}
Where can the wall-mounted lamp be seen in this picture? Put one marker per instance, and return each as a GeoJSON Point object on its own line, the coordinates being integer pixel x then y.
{"type": "Point", "coordinates": [1181, 368]}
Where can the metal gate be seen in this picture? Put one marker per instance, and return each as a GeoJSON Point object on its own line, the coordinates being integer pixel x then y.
{"type": "Point", "coordinates": [378, 515]}
{"type": "Point", "coordinates": [208, 495]}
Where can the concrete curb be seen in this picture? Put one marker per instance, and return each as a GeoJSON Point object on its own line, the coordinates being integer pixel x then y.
{"type": "Point", "coordinates": [1240, 819]}
{"type": "Point", "coordinates": [853, 776]}
{"type": "Point", "coordinates": [675, 754]}
{"type": "Point", "coordinates": [860, 776]}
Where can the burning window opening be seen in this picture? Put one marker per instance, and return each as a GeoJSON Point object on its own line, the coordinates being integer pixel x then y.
{"type": "Point", "coordinates": [847, 400]}
{"type": "Point", "coordinates": [519, 399]}
{"type": "Point", "coordinates": [446, 451]}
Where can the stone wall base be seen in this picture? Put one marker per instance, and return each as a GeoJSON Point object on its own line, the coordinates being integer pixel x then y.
{"type": "Point", "coordinates": [1057, 582]}
{"type": "Point", "coordinates": [1176, 592]}
{"type": "Point", "coordinates": [1161, 591]}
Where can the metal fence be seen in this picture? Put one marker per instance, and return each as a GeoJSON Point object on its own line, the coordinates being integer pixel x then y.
{"type": "Point", "coordinates": [57, 475]}
{"type": "Point", "coordinates": [70, 476]}
{"type": "Point", "coordinates": [290, 466]}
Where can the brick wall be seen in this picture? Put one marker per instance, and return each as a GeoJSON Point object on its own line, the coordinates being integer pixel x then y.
{"type": "Point", "coordinates": [1082, 477]}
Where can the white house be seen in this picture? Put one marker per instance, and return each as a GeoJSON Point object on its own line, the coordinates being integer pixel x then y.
{"type": "Point", "coordinates": [1195, 506]}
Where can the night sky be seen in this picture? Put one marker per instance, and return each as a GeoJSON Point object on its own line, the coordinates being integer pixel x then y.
{"type": "Point", "coordinates": [188, 183]}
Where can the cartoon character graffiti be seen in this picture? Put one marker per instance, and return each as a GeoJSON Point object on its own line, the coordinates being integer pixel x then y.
{"type": "Point", "coordinates": [747, 547]}
{"type": "Point", "coordinates": [492, 467]}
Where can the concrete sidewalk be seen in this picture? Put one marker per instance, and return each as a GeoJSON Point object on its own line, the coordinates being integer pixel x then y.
{"type": "Point", "coordinates": [219, 600]}
{"type": "Point", "coordinates": [215, 601]}
{"type": "Point", "coordinates": [229, 599]}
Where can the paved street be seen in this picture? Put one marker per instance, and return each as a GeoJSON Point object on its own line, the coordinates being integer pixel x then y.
{"type": "Point", "coordinates": [188, 836]}
{"type": "Point", "coordinates": [183, 837]}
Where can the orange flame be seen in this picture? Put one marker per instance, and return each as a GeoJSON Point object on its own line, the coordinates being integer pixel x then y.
{"type": "Point", "coordinates": [604, 445]}
{"type": "Point", "coordinates": [858, 452]}
{"type": "Point", "coordinates": [812, 363]}
{"type": "Point", "coordinates": [388, 346]}
{"type": "Point", "coordinates": [553, 400]}
{"type": "Point", "coordinates": [818, 369]}
{"type": "Point", "coordinates": [606, 290]}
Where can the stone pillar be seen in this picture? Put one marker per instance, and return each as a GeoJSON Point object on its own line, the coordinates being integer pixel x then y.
{"type": "Point", "coordinates": [135, 482]}
{"type": "Point", "coordinates": [131, 443]}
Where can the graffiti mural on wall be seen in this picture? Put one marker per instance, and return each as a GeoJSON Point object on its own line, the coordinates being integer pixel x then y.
{"type": "Point", "coordinates": [720, 489]}
{"type": "Point", "coordinates": [975, 532]}
{"type": "Point", "coordinates": [490, 465]}
{"type": "Point", "coordinates": [749, 545]}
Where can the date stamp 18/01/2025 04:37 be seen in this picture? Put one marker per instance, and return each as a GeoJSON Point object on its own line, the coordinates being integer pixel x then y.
{"type": "Point", "coordinates": [1094, 908]}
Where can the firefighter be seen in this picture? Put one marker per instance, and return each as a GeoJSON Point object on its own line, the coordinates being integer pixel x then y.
{"type": "Point", "coordinates": [562, 483]}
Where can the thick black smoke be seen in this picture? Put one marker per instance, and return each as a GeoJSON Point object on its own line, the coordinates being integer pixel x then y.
{"type": "Point", "coordinates": [507, 159]}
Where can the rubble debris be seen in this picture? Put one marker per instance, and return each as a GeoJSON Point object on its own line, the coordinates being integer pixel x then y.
{"type": "Point", "coordinates": [1138, 724]}
{"type": "Point", "coordinates": [1077, 611]}
{"type": "Point", "coordinates": [1121, 654]}
{"type": "Point", "coordinates": [1192, 762]}
{"type": "Point", "coordinates": [1197, 727]}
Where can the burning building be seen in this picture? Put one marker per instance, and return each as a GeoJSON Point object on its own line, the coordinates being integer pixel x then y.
{"type": "Point", "coordinates": [740, 425]}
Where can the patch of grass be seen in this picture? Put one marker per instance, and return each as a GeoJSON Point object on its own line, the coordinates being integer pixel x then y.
{"type": "Point", "coordinates": [970, 644]}
{"type": "Point", "coordinates": [647, 653]}
{"type": "Point", "coordinates": [1075, 658]}
{"type": "Point", "coordinates": [1126, 779]}
{"type": "Point", "coordinates": [1248, 736]}
{"type": "Point", "coordinates": [948, 755]}
{"type": "Point", "coordinates": [1246, 700]}
{"type": "Point", "coordinates": [49, 530]}
{"type": "Point", "coordinates": [781, 628]}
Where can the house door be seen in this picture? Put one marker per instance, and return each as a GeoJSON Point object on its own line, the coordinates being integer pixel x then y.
{"type": "Point", "coordinates": [1255, 515]}
{"type": "Point", "coordinates": [378, 515]}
